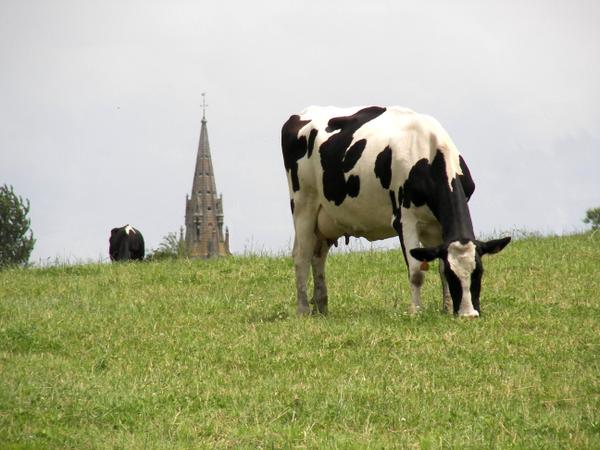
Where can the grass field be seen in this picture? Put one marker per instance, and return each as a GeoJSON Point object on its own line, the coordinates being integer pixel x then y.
{"type": "Point", "coordinates": [203, 354]}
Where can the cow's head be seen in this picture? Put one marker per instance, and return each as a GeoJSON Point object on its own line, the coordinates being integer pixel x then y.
{"type": "Point", "coordinates": [463, 269]}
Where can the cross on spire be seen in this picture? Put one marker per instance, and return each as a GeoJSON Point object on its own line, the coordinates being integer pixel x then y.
{"type": "Point", "coordinates": [204, 106]}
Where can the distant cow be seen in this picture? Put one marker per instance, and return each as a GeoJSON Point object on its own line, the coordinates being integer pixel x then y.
{"type": "Point", "coordinates": [377, 172]}
{"type": "Point", "coordinates": [126, 243]}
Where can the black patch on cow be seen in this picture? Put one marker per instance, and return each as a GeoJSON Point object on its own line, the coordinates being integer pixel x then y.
{"type": "Point", "coordinates": [427, 184]}
{"type": "Point", "coordinates": [417, 279]}
{"type": "Point", "coordinates": [311, 140]}
{"type": "Point", "coordinates": [419, 184]}
{"type": "Point", "coordinates": [293, 147]}
{"type": "Point", "coordinates": [292, 205]}
{"type": "Point", "coordinates": [397, 221]}
{"type": "Point", "coordinates": [336, 159]}
{"type": "Point", "coordinates": [383, 167]}
{"type": "Point", "coordinates": [353, 186]}
{"type": "Point", "coordinates": [353, 154]}
{"type": "Point", "coordinates": [395, 209]}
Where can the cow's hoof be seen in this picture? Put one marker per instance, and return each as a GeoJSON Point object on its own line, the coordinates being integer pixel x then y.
{"type": "Point", "coordinates": [320, 310]}
{"type": "Point", "coordinates": [469, 315]}
{"type": "Point", "coordinates": [303, 310]}
{"type": "Point", "coordinates": [414, 310]}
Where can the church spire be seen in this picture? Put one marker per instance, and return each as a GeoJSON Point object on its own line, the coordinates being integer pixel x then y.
{"type": "Point", "coordinates": [204, 217]}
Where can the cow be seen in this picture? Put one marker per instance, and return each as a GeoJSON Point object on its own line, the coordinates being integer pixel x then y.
{"type": "Point", "coordinates": [126, 243]}
{"type": "Point", "coordinates": [378, 172]}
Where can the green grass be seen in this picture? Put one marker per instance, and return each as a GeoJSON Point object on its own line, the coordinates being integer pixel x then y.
{"type": "Point", "coordinates": [207, 354]}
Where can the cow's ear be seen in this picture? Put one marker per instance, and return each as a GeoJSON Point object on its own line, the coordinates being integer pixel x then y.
{"type": "Point", "coordinates": [493, 246]}
{"type": "Point", "coordinates": [427, 253]}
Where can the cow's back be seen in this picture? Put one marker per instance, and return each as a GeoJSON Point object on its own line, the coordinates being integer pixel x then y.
{"type": "Point", "coordinates": [350, 161]}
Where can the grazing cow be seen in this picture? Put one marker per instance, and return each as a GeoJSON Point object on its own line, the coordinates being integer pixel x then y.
{"type": "Point", "coordinates": [378, 172]}
{"type": "Point", "coordinates": [126, 243]}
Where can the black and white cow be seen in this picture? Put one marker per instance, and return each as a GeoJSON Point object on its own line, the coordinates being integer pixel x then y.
{"type": "Point", "coordinates": [377, 172]}
{"type": "Point", "coordinates": [126, 243]}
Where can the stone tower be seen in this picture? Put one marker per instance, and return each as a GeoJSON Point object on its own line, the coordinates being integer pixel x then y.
{"type": "Point", "coordinates": [204, 237]}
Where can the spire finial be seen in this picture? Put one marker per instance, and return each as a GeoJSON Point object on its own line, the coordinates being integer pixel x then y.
{"type": "Point", "coordinates": [204, 106]}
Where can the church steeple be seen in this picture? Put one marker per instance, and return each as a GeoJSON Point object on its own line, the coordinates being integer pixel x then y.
{"type": "Point", "coordinates": [204, 216]}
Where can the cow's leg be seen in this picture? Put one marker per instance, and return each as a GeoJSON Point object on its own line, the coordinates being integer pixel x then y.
{"type": "Point", "coordinates": [318, 267]}
{"type": "Point", "coordinates": [304, 247]}
{"type": "Point", "coordinates": [430, 235]}
{"type": "Point", "coordinates": [305, 241]}
{"type": "Point", "coordinates": [446, 297]}
{"type": "Point", "coordinates": [416, 276]}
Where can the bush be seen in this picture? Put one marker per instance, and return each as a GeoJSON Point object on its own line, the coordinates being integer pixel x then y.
{"type": "Point", "coordinates": [16, 238]}
{"type": "Point", "coordinates": [171, 247]}
{"type": "Point", "coordinates": [592, 216]}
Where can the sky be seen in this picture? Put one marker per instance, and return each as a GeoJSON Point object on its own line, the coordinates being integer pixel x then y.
{"type": "Point", "coordinates": [100, 106]}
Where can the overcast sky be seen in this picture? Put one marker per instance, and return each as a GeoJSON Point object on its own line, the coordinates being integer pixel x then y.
{"type": "Point", "coordinates": [100, 106]}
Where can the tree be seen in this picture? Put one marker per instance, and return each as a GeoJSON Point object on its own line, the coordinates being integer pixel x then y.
{"type": "Point", "coordinates": [16, 238]}
{"type": "Point", "coordinates": [592, 216]}
{"type": "Point", "coordinates": [171, 247]}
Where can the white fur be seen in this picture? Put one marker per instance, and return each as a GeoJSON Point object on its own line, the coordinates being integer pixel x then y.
{"type": "Point", "coordinates": [129, 229]}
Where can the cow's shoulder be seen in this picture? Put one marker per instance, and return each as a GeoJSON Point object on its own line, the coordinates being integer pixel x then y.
{"type": "Point", "coordinates": [441, 145]}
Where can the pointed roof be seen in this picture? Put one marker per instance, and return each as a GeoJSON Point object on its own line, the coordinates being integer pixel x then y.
{"type": "Point", "coordinates": [204, 169]}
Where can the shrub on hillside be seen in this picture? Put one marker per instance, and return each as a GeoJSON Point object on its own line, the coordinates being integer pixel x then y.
{"type": "Point", "coordinates": [171, 247]}
{"type": "Point", "coordinates": [592, 217]}
{"type": "Point", "coordinates": [16, 238]}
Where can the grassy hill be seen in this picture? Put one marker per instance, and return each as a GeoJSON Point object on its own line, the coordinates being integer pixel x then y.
{"type": "Point", "coordinates": [192, 354]}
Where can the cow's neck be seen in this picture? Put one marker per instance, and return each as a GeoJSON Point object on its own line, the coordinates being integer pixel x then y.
{"type": "Point", "coordinates": [451, 210]}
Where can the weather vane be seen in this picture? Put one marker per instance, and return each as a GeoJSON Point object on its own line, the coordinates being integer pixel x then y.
{"type": "Point", "coordinates": [204, 105]}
